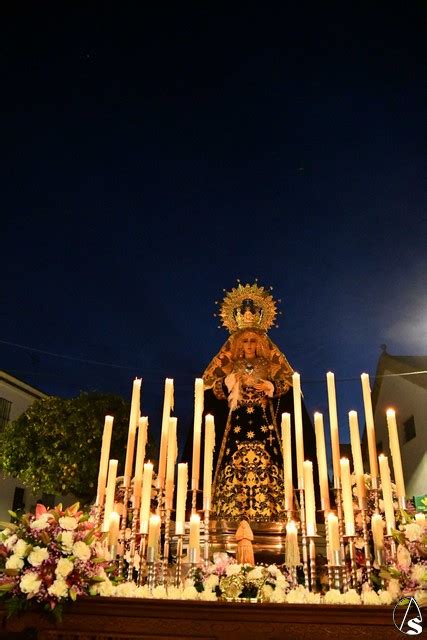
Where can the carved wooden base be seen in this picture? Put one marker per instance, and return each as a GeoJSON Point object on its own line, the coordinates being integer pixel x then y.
{"type": "Point", "coordinates": [137, 619]}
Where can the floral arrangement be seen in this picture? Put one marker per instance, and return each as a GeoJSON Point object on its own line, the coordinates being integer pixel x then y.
{"type": "Point", "coordinates": [50, 557]}
{"type": "Point", "coordinates": [405, 571]}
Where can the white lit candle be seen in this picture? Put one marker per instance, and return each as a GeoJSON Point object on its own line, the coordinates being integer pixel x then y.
{"type": "Point", "coordinates": [153, 536]}
{"type": "Point", "coordinates": [103, 462]}
{"type": "Point", "coordinates": [299, 438]}
{"type": "Point", "coordinates": [387, 493]}
{"type": "Point", "coordinates": [395, 453]}
{"type": "Point", "coordinates": [181, 497]}
{"type": "Point", "coordinates": [333, 538]}
{"type": "Point", "coordinates": [171, 462]}
{"type": "Point", "coordinates": [208, 462]}
{"type": "Point", "coordinates": [310, 503]}
{"type": "Point", "coordinates": [133, 422]}
{"type": "Point", "coordinates": [370, 429]}
{"type": "Point", "coordinates": [356, 451]}
{"type": "Point", "coordinates": [333, 422]}
{"type": "Point", "coordinates": [347, 497]}
{"type": "Point", "coordinates": [113, 528]}
{"type": "Point", "coordinates": [194, 541]}
{"type": "Point", "coordinates": [321, 461]}
{"type": "Point", "coordinates": [139, 461]}
{"type": "Point", "coordinates": [377, 525]}
{"type": "Point", "coordinates": [147, 480]}
{"type": "Point", "coordinates": [111, 491]}
{"type": "Point", "coordinates": [197, 432]}
{"type": "Point", "coordinates": [287, 460]}
{"type": "Point", "coordinates": [167, 406]}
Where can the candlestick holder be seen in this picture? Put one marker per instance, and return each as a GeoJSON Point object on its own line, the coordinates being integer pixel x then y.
{"type": "Point", "coordinates": [392, 543]}
{"type": "Point", "coordinates": [164, 558]}
{"type": "Point", "coordinates": [142, 560]}
{"type": "Point", "coordinates": [338, 502]}
{"type": "Point", "coordinates": [132, 540]}
{"type": "Point", "coordinates": [206, 536]}
{"type": "Point", "coordinates": [353, 567]}
{"type": "Point", "coordinates": [193, 558]}
{"type": "Point", "coordinates": [402, 502]}
{"type": "Point", "coordinates": [178, 570]}
{"type": "Point", "coordinates": [312, 554]}
{"type": "Point", "coordinates": [328, 551]}
{"type": "Point", "coordinates": [122, 534]}
{"type": "Point", "coordinates": [366, 546]}
{"type": "Point", "coordinates": [304, 539]}
{"type": "Point", "coordinates": [376, 493]}
{"type": "Point", "coordinates": [151, 568]}
{"type": "Point", "coordinates": [99, 512]}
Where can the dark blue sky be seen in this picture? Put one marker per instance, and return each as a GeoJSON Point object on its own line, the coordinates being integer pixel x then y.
{"type": "Point", "coordinates": [151, 157]}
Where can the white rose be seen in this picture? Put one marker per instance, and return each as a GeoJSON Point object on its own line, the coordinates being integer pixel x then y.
{"type": "Point", "coordinates": [313, 598]}
{"type": "Point", "coordinates": [211, 582]}
{"type": "Point", "coordinates": [20, 548]}
{"type": "Point", "coordinates": [37, 556]}
{"type": "Point", "coordinates": [273, 569]}
{"type": "Point", "coordinates": [67, 540]}
{"type": "Point", "coordinates": [419, 573]}
{"type": "Point", "coordinates": [255, 574]}
{"type": "Point", "coordinates": [42, 522]}
{"type": "Point", "coordinates": [105, 588]}
{"type": "Point", "coordinates": [190, 593]}
{"type": "Point", "coordinates": [208, 596]}
{"type": "Point", "coordinates": [394, 588]}
{"type": "Point", "coordinates": [68, 522]}
{"type": "Point", "coordinates": [333, 596]}
{"type": "Point", "coordinates": [278, 596]}
{"type": "Point", "coordinates": [59, 588]}
{"type": "Point", "coordinates": [421, 597]}
{"type": "Point", "coordinates": [160, 592]}
{"type": "Point", "coordinates": [30, 584]}
{"type": "Point", "coordinates": [10, 542]}
{"type": "Point", "coordinates": [370, 597]}
{"type": "Point", "coordinates": [174, 593]}
{"type": "Point", "coordinates": [413, 532]}
{"type": "Point", "coordinates": [14, 562]}
{"type": "Point", "coordinates": [385, 597]}
{"type": "Point", "coordinates": [233, 569]}
{"type": "Point", "coordinates": [282, 582]}
{"type": "Point", "coordinates": [81, 550]}
{"type": "Point", "coordinates": [125, 590]}
{"type": "Point", "coordinates": [267, 591]}
{"type": "Point", "coordinates": [143, 592]}
{"type": "Point", "coordinates": [64, 567]}
{"type": "Point", "coordinates": [403, 557]}
{"type": "Point", "coordinates": [297, 596]}
{"type": "Point", "coordinates": [351, 597]}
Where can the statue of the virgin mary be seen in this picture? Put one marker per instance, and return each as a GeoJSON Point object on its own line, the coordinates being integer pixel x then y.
{"type": "Point", "coordinates": [247, 388]}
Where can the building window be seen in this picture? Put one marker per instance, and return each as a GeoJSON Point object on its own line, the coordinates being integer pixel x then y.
{"type": "Point", "coordinates": [409, 427]}
{"type": "Point", "coordinates": [4, 412]}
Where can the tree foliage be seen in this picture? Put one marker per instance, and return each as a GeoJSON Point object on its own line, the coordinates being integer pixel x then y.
{"type": "Point", "coordinates": [54, 447]}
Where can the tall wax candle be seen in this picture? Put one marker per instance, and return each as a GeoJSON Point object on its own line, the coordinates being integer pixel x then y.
{"type": "Point", "coordinates": [377, 526]}
{"type": "Point", "coordinates": [395, 453]}
{"type": "Point", "coordinates": [154, 535]}
{"type": "Point", "coordinates": [333, 537]}
{"type": "Point", "coordinates": [194, 541]}
{"type": "Point", "coordinates": [147, 480]}
{"type": "Point", "coordinates": [299, 438]}
{"type": "Point", "coordinates": [321, 461]}
{"type": "Point", "coordinates": [181, 497]}
{"type": "Point", "coordinates": [370, 429]}
{"type": "Point", "coordinates": [310, 503]}
{"type": "Point", "coordinates": [356, 451]}
{"type": "Point", "coordinates": [208, 462]}
{"type": "Point", "coordinates": [197, 432]}
{"type": "Point", "coordinates": [387, 493]}
{"type": "Point", "coordinates": [133, 421]}
{"type": "Point", "coordinates": [171, 462]}
{"type": "Point", "coordinates": [111, 490]}
{"type": "Point", "coordinates": [347, 497]}
{"type": "Point", "coordinates": [333, 422]}
{"type": "Point", "coordinates": [287, 461]}
{"type": "Point", "coordinates": [113, 528]}
{"type": "Point", "coordinates": [139, 461]}
{"type": "Point", "coordinates": [167, 406]}
{"type": "Point", "coordinates": [103, 462]}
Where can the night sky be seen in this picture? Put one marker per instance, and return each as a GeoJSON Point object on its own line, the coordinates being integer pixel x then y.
{"type": "Point", "coordinates": [150, 157]}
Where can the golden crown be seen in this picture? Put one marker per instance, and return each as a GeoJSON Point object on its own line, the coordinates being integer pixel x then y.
{"type": "Point", "coordinates": [248, 307]}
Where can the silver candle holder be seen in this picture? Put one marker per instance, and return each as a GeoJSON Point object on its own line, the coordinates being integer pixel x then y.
{"type": "Point", "coordinates": [304, 539]}
{"type": "Point", "coordinates": [206, 536]}
{"type": "Point", "coordinates": [151, 568]}
{"type": "Point", "coordinates": [178, 570]}
{"type": "Point", "coordinates": [122, 534]}
{"type": "Point", "coordinates": [353, 567]}
{"type": "Point", "coordinates": [142, 559]}
{"type": "Point", "coordinates": [132, 541]}
{"type": "Point", "coordinates": [312, 554]}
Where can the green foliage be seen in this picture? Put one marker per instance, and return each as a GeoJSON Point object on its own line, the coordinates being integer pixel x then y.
{"type": "Point", "coordinates": [54, 447]}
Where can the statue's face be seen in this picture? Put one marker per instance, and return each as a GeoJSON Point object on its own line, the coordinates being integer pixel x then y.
{"type": "Point", "coordinates": [249, 343]}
